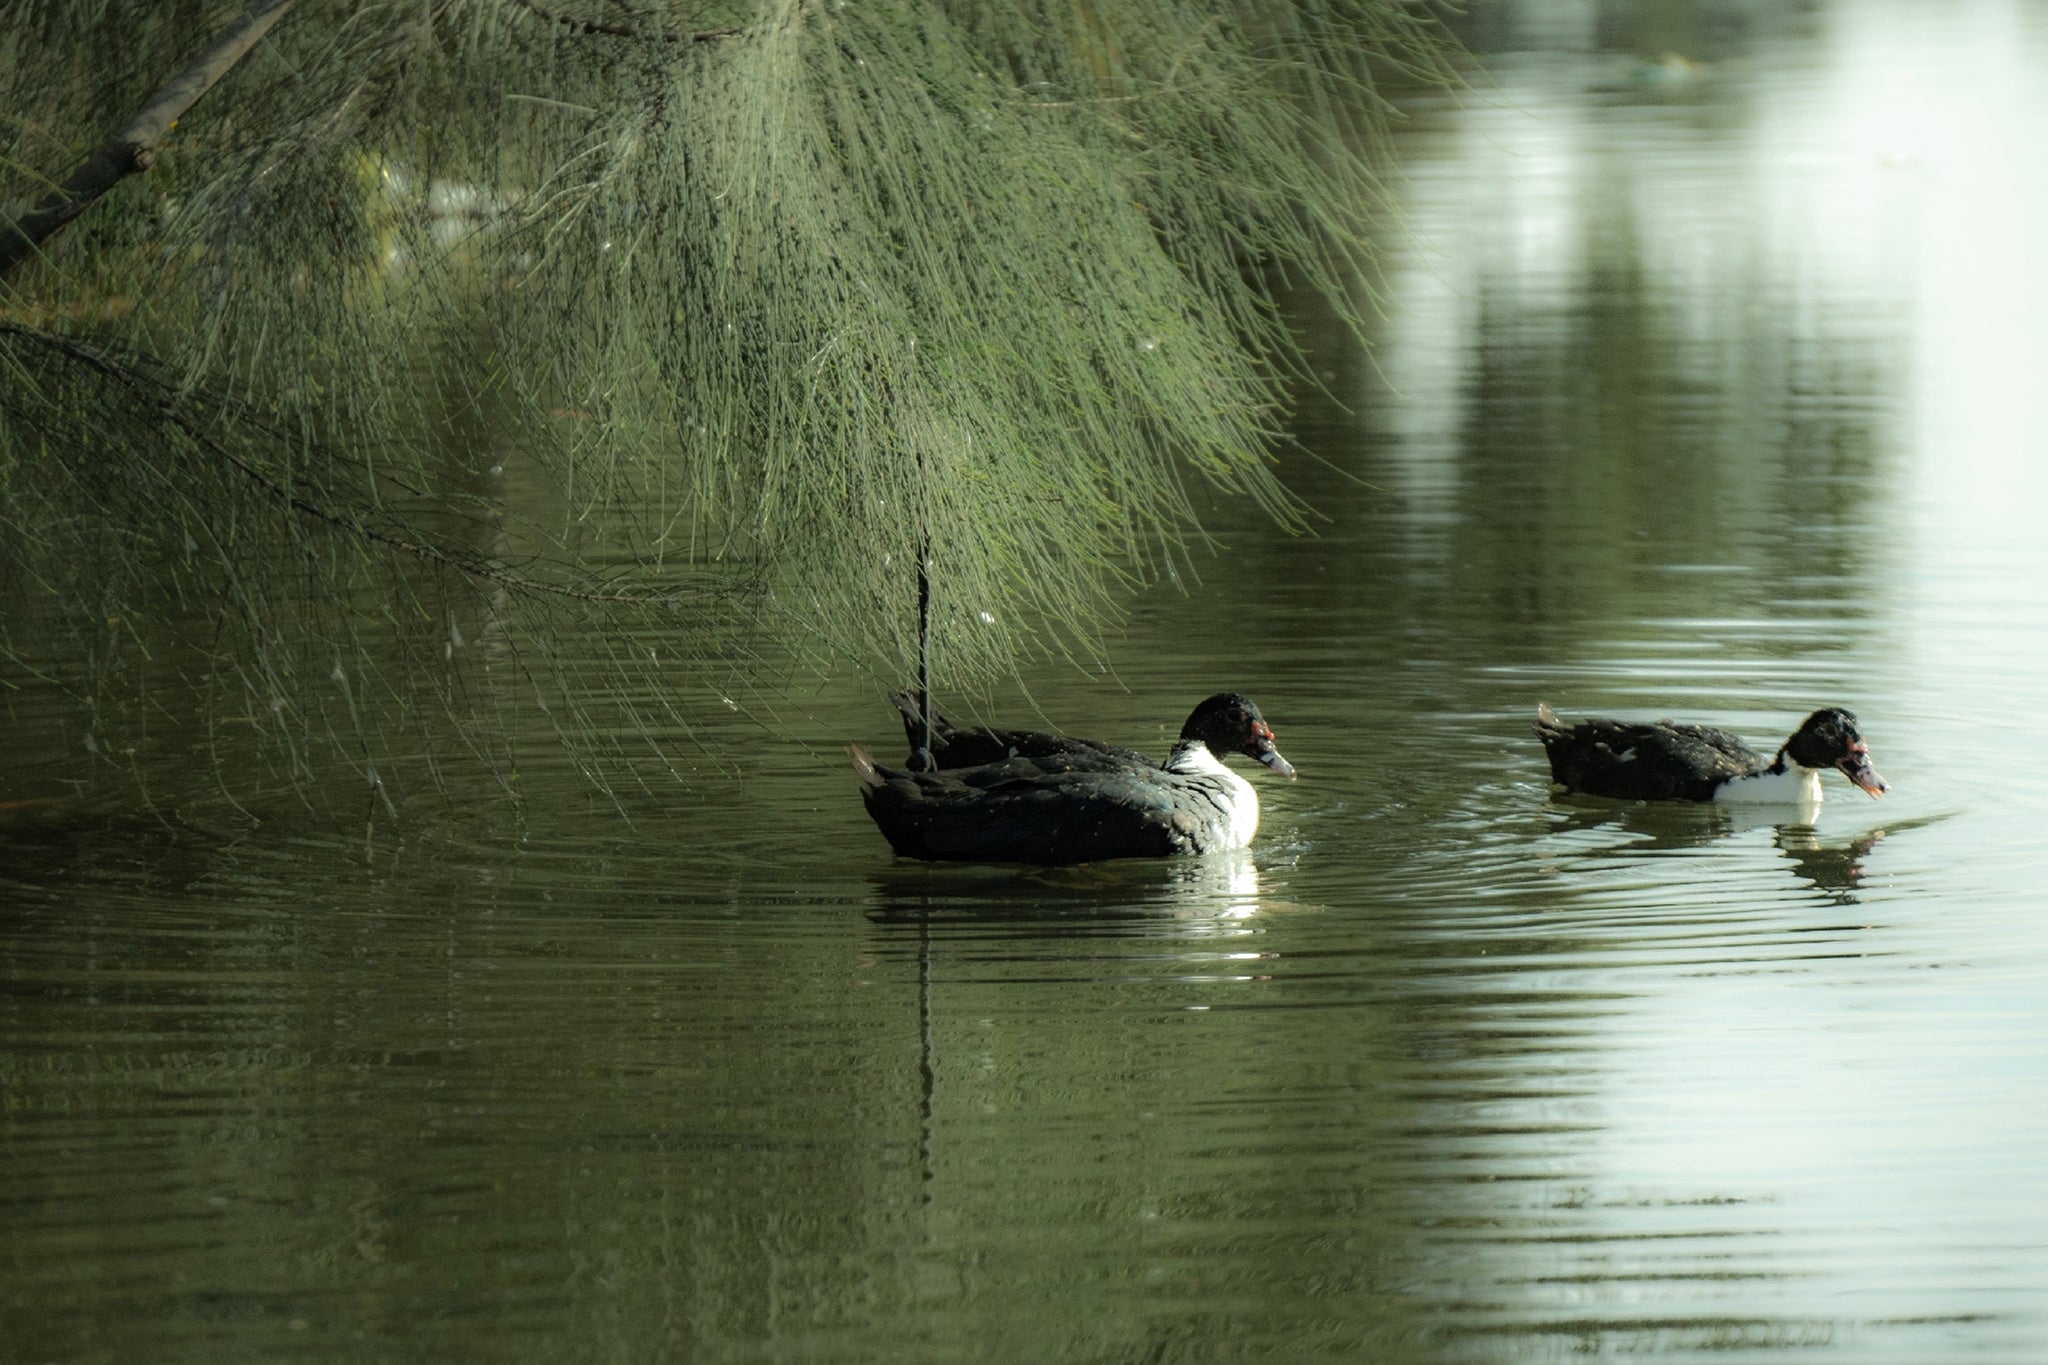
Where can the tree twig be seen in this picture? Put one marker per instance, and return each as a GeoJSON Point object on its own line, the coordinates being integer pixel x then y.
{"type": "Point", "coordinates": [133, 147]}
{"type": "Point", "coordinates": [596, 27]}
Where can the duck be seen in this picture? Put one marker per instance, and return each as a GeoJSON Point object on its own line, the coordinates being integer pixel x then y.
{"type": "Point", "coordinates": [1022, 796]}
{"type": "Point", "coordinates": [1665, 761]}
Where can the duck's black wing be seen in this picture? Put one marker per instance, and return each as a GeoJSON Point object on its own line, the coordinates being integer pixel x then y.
{"type": "Point", "coordinates": [1047, 809]}
{"type": "Point", "coordinates": [977, 746]}
{"type": "Point", "coordinates": [1643, 761]}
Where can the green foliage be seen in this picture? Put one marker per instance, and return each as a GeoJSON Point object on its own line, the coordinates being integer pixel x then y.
{"type": "Point", "coordinates": [687, 324]}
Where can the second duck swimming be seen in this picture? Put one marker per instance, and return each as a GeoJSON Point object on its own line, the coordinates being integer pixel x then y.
{"type": "Point", "coordinates": [1664, 761]}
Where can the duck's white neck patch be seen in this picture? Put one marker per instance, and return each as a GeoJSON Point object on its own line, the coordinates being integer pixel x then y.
{"type": "Point", "coordinates": [1795, 786]}
{"type": "Point", "coordinates": [1237, 804]}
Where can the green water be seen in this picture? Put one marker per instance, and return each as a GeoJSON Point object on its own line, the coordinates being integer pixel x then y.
{"type": "Point", "coordinates": [1710, 392]}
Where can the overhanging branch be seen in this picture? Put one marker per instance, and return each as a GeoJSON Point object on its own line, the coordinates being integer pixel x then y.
{"type": "Point", "coordinates": [133, 147]}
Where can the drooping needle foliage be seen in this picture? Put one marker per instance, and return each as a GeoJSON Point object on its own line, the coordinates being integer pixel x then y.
{"type": "Point", "coordinates": [444, 340]}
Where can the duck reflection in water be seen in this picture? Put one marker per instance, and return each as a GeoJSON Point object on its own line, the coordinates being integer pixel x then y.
{"type": "Point", "coordinates": [1171, 898]}
{"type": "Point", "coordinates": [1835, 868]}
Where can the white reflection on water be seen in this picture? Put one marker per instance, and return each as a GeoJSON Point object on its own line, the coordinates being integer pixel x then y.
{"type": "Point", "coordinates": [1830, 1130]}
{"type": "Point", "coordinates": [1180, 899]}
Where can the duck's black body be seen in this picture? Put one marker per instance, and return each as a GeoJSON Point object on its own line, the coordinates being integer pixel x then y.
{"type": "Point", "coordinates": [1054, 799]}
{"type": "Point", "coordinates": [973, 747]}
{"type": "Point", "coordinates": [1664, 761]}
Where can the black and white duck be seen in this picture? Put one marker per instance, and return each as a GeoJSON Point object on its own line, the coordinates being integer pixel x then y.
{"type": "Point", "coordinates": [1028, 797]}
{"type": "Point", "coordinates": [1663, 761]}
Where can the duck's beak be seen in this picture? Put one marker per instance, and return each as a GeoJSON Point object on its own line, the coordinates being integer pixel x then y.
{"type": "Point", "coordinates": [1263, 750]}
{"type": "Point", "coordinates": [1856, 767]}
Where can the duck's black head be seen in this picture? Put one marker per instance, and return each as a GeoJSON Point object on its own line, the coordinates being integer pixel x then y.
{"type": "Point", "coordinates": [1230, 723]}
{"type": "Point", "coordinates": [1829, 739]}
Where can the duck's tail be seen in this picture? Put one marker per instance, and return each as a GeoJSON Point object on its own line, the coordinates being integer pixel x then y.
{"type": "Point", "coordinates": [1548, 726]}
{"type": "Point", "coordinates": [864, 767]}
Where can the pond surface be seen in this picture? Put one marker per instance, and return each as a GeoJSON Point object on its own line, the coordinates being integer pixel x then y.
{"type": "Point", "coordinates": [1707, 387]}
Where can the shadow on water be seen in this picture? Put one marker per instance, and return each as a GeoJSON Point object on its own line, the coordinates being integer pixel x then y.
{"type": "Point", "coordinates": [154, 859]}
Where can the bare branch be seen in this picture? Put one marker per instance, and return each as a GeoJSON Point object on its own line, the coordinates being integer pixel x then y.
{"type": "Point", "coordinates": [594, 27]}
{"type": "Point", "coordinates": [133, 148]}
